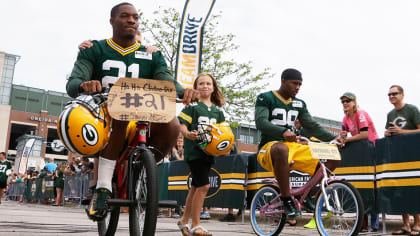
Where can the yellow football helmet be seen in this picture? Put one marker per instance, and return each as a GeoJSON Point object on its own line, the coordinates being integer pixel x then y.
{"type": "Point", "coordinates": [216, 139]}
{"type": "Point", "coordinates": [84, 125]}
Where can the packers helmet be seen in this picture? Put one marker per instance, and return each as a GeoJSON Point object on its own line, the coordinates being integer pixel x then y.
{"type": "Point", "coordinates": [216, 139]}
{"type": "Point", "coordinates": [84, 125]}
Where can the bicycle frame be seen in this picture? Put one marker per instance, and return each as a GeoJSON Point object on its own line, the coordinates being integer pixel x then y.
{"type": "Point", "coordinates": [320, 176]}
{"type": "Point", "coordinates": [124, 170]}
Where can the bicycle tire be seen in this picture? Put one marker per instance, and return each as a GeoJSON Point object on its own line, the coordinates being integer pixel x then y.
{"type": "Point", "coordinates": [143, 219]}
{"type": "Point", "coordinates": [349, 220]}
{"type": "Point", "coordinates": [108, 226]}
{"type": "Point", "coordinates": [265, 225]}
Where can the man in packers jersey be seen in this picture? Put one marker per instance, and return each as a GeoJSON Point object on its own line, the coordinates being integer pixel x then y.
{"type": "Point", "coordinates": [103, 64]}
{"type": "Point", "coordinates": [5, 171]}
{"type": "Point", "coordinates": [275, 114]}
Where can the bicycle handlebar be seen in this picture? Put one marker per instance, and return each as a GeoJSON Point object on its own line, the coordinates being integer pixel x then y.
{"type": "Point", "coordinates": [105, 90]}
{"type": "Point", "coordinates": [310, 141]}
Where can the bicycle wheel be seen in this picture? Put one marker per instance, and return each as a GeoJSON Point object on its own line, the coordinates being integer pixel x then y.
{"type": "Point", "coordinates": [143, 216]}
{"type": "Point", "coordinates": [108, 226]}
{"type": "Point", "coordinates": [265, 225]}
{"type": "Point", "coordinates": [347, 216]}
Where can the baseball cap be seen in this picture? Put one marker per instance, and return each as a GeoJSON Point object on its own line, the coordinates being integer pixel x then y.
{"type": "Point", "coordinates": [349, 95]}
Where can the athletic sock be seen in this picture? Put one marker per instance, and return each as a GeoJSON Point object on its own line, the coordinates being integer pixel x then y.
{"type": "Point", "coordinates": [105, 173]}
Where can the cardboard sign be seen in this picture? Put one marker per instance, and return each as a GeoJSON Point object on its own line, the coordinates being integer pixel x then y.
{"type": "Point", "coordinates": [324, 151]}
{"type": "Point", "coordinates": [142, 99]}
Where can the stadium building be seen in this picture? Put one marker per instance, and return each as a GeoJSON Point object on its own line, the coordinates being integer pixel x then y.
{"type": "Point", "coordinates": [30, 111]}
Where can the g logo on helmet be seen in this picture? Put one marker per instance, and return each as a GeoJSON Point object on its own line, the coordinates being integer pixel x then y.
{"type": "Point", "coordinates": [223, 145]}
{"type": "Point", "coordinates": [216, 139]}
{"type": "Point", "coordinates": [90, 135]}
{"type": "Point", "coordinates": [84, 126]}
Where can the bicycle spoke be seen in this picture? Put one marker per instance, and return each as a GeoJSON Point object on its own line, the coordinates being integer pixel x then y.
{"type": "Point", "coordinates": [265, 224]}
{"type": "Point", "coordinates": [347, 212]}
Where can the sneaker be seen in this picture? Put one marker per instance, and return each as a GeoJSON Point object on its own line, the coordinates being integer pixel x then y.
{"type": "Point", "coordinates": [311, 224]}
{"type": "Point", "coordinates": [328, 215]}
{"type": "Point", "coordinates": [228, 218]}
{"type": "Point", "coordinates": [291, 209]}
{"type": "Point", "coordinates": [97, 209]}
{"type": "Point", "coordinates": [204, 215]}
{"type": "Point", "coordinates": [88, 196]}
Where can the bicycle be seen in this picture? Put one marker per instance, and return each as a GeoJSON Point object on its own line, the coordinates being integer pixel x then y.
{"type": "Point", "coordinates": [135, 181]}
{"type": "Point", "coordinates": [135, 185]}
{"type": "Point", "coordinates": [338, 209]}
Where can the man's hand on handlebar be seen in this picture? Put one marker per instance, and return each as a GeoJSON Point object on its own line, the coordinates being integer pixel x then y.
{"type": "Point", "coordinates": [91, 86]}
{"type": "Point", "coordinates": [289, 136]}
{"type": "Point", "coordinates": [339, 141]}
{"type": "Point", "coordinates": [190, 95]}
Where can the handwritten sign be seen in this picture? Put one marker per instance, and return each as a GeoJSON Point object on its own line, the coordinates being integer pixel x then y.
{"type": "Point", "coordinates": [142, 99]}
{"type": "Point", "coordinates": [324, 151]}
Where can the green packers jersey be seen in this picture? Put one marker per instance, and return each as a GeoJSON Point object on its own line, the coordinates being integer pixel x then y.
{"type": "Point", "coordinates": [282, 114]}
{"type": "Point", "coordinates": [106, 61]}
{"type": "Point", "coordinates": [193, 115]}
{"type": "Point", "coordinates": [4, 166]}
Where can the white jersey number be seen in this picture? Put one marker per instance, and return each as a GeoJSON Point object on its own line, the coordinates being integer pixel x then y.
{"type": "Point", "coordinates": [286, 117]}
{"type": "Point", "coordinates": [206, 120]}
{"type": "Point", "coordinates": [134, 69]}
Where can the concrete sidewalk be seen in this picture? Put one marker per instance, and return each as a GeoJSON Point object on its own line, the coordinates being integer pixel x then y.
{"type": "Point", "coordinates": [393, 222]}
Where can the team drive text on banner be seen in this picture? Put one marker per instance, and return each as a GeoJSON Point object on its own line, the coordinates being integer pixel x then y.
{"type": "Point", "coordinates": [190, 42]}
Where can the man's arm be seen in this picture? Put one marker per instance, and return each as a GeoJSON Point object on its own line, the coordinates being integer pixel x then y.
{"type": "Point", "coordinates": [266, 127]}
{"type": "Point", "coordinates": [394, 129]}
{"type": "Point", "coordinates": [311, 126]}
{"type": "Point", "coordinates": [162, 72]}
{"type": "Point", "coordinates": [82, 72]}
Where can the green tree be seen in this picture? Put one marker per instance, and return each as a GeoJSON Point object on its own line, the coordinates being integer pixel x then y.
{"type": "Point", "coordinates": [239, 84]}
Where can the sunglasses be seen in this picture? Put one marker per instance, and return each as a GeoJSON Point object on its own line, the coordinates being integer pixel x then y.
{"type": "Point", "coordinates": [345, 101]}
{"type": "Point", "coordinates": [393, 94]}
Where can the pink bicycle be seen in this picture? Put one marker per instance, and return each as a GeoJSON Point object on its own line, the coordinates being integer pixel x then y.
{"type": "Point", "coordinates": [338, 210]}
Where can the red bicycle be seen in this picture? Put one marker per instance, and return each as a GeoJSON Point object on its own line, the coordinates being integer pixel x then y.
{"type": "Point", "coordinates": [135, 180]}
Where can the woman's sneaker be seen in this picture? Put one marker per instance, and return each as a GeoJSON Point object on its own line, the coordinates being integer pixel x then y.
{"type": "Point", "coordinates": [204, 215]}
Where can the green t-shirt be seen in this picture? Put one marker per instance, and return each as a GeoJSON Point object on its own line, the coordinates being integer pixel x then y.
{"type": "Point", "coordinates": [274, 115]}
{"type": "Point", "coordinates": [4, 166]}
{"type": "Point", "coordinates": [198, 113]}
{"type": "Point", "coordinates": [405, 118]}
{"type": "Point", "coordinates": [106, 61]}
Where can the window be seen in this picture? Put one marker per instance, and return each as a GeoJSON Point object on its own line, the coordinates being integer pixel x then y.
{"type": "Point", "coordinates": [247, 139]}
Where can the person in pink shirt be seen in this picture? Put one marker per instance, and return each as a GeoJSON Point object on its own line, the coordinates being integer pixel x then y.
{"type": "Point", "coordinates": [358, 123]}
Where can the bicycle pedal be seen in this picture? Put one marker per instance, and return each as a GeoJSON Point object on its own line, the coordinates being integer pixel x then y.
{"type": "Point", "coordinates": [121, 202]}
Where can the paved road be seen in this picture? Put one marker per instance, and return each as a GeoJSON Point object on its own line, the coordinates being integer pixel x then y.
{"type": "Point", "coordinates": [36, 219]}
